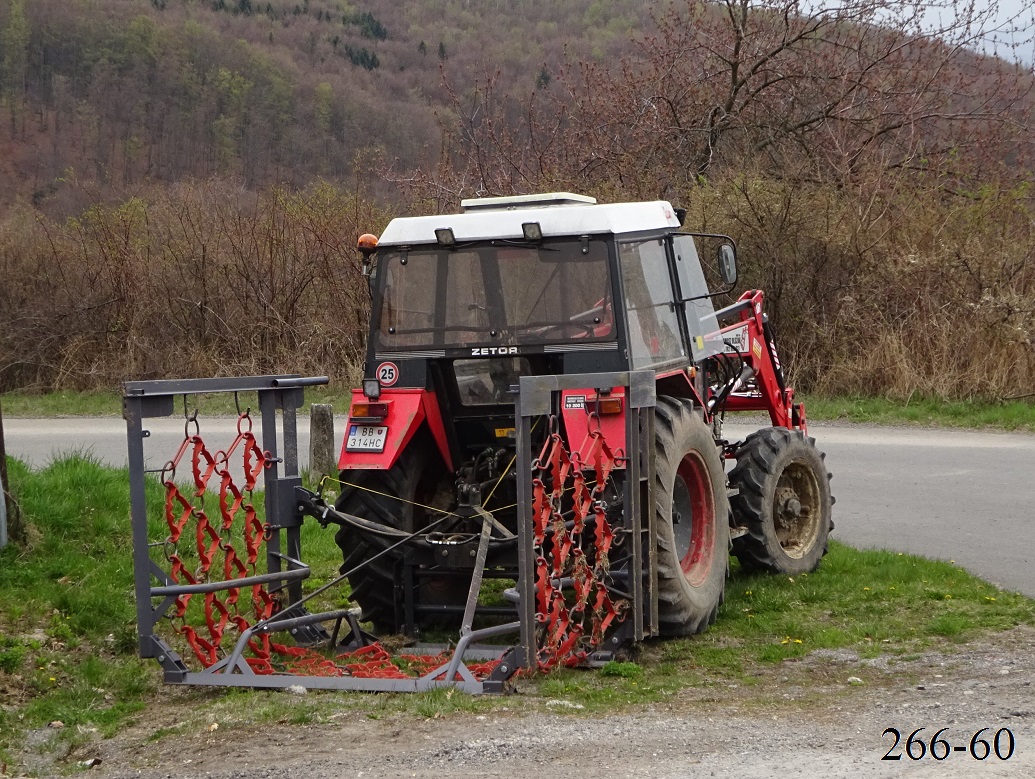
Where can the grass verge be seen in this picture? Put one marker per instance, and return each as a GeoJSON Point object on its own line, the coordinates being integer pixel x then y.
{"type": "Point", "coordinates": [109, 404]}
{"type": "Point", "coordinates": [1006, 415]}
{"type": "Point", "coordinates": [67, 642]}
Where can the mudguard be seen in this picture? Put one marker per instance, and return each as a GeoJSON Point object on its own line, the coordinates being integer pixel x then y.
{"type": "Point", "coordinates": [407, 409]}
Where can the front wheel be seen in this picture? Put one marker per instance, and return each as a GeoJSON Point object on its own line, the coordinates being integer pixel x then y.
{"type": "Point", "coordinates": [691, 518]}
{"type": "Point", "coordinates": [783, 501]}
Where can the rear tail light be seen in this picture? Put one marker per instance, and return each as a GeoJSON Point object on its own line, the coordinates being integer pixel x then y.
{"type": "Point", "coordinates": [608, 406]}
{"type": "Point", "coordinates": [369, 410]}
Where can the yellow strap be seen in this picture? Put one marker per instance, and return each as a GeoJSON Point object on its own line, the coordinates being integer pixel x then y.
{"type": "Point", "coordinates": [394, 497]}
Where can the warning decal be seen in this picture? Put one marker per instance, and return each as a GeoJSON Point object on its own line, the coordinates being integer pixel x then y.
{"type": "Point", "coordinates": [736, 340]}
{"type": "Point", "coordinates": [574, 402]}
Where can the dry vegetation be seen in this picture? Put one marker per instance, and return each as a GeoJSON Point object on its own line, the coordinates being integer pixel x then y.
{"type": "Point", "coordinates": [894, 293]}
{"type": "Point", "coordinates": [192, 280]}
{"type": "Point", "coordinates": [158, 216]}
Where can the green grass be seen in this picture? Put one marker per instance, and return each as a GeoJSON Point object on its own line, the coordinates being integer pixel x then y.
{"type": "Point", "coordinates": [861, 600]}
{"type": "Point", "coordinates": [61, 404]}
{"type": "Point", "coordinates": [1007, 415]}
{"type": "Point", "coordinates": [871, 602]}
{"type": "Point", "coordinates": [67, 626]}
{"type": "Point", "coordinates": [66, 610]}
{"type": "Point", "coordinates": [101, 404]}
{"type": "Point", "coordinates": [78, 512]}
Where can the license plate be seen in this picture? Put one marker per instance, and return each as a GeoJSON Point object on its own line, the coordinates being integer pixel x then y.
{"type": "Point", "coordinates": [366, 438]}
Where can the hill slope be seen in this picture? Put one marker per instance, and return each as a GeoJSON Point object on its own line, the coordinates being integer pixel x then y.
{"type": "Point", "coordinates": [120, 92]}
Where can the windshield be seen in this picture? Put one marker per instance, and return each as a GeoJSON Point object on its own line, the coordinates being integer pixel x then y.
{"type": "Point", "coordinates": [498, 293]}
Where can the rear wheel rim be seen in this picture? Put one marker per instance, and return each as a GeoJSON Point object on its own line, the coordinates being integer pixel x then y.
{"type": "Point", "coordinates": [693, 518]}
{"type": "Point", "coordinates": [797, 509]}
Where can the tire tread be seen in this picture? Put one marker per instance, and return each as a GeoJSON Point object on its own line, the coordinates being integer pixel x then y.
{"type": "Point", "coordinates": [756, 460]}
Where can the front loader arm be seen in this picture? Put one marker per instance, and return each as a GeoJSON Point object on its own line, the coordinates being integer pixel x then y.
{"type": "Point", "coordinates": [761, 384]}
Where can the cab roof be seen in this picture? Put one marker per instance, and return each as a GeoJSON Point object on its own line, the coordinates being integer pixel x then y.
{"type": "Point", "coordinates": [558, 214]}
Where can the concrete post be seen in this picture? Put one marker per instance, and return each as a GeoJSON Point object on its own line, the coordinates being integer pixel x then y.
{"type": "Point", "coordinates": [322, 461]}
{"type": "Point", "coordinates": [3, 512]}
{"type": "Point", "coordinates": [3, 485]}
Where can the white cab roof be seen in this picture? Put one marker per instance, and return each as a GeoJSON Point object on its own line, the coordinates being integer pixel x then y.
{"type": "Point", "coordinates": [502, 218]}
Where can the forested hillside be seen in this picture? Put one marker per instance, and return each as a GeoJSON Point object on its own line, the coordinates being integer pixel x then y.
{"type": "Point", "coordinates": [122, 92]}
{"type": "Point", "coordinates": [182, 181]}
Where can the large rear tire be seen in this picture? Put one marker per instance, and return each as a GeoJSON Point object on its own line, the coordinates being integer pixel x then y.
{"type": "Point", "coordinates": [783, 500]}
{"type": "Point", "coordinates": [418, 477]}
{"type": "Point", "coordinates": [691, 520]}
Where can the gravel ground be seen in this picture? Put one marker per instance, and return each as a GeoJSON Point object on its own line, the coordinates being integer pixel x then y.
{"type": "Point", "coordinates": [818, 717]}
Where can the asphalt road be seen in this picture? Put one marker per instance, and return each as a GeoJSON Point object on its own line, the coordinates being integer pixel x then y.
{"type": "Point", "coordinates": [946, 494]}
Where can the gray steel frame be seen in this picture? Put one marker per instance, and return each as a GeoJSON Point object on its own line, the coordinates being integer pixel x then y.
{"type": "Point", "coordinates": [538, 396]}
{"type": "Point", "coordinates": [148, 399]}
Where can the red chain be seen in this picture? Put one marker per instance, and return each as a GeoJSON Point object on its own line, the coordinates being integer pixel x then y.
{"type": "Point", "coordinates": [572, 627]}
{"type": "Point", "coordinates": [238, 517]}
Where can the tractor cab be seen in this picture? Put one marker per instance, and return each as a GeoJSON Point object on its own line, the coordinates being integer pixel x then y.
{"type": "Point", "coordinates": [465, 304]}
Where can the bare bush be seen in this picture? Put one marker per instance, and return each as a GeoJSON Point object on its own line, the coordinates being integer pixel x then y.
{"type": "Point", "coordinates": [880, 292]}
{"type": "Point", "coordinates": [870, 156]}
{"type": "Point", "coordinates": [198, 280]}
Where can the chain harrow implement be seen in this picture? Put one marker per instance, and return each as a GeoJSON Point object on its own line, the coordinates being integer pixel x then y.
{"type": "Point", "coordinates": [228, 582]}
{"type": "Point", "coordinates": [576, 550]}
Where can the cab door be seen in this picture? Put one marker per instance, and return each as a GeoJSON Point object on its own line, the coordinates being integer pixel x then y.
{"type": "Point", "coordinates": [695, 308]}
{"type": "Point", "coordinates": [651, 306]}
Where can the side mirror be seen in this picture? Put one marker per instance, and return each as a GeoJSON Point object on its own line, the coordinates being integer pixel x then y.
{"type": "Point", "coordinates": [727, 264]}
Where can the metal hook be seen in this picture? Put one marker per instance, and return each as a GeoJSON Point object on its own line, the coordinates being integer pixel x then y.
{"type": "Point", "coordinates": [168, 468]}
{"type": "Point", "coordinates": [188, 420]}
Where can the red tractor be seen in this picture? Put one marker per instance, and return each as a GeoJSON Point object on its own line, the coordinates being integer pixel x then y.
{"type": "Point", "coordinates": [554, 285]}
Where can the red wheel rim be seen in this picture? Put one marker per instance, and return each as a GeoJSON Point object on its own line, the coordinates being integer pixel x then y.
{"type": "Point", "coordinates": [692, 494]}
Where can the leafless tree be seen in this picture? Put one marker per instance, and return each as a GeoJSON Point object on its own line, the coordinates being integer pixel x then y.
{"type": "Point", "coordinates": [826, 91]}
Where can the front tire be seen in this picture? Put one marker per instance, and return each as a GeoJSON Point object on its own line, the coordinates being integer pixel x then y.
{"type": "Point", "coordinates": [783, 500]}
{"type": "Point", "coordinates": [691, 520]}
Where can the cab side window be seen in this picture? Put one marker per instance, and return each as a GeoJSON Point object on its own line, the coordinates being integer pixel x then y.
{"type": "Point", "coordinates": [653, 326]}
{"type": "Point", "coordinates": [701, 323]}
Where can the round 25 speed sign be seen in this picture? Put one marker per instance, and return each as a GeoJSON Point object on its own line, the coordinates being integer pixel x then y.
{"type": "Point", "coordinates": [387, 374]}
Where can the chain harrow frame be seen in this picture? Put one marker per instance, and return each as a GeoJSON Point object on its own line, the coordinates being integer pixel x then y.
{"type": "Point", "coordinates": [586, 583]}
